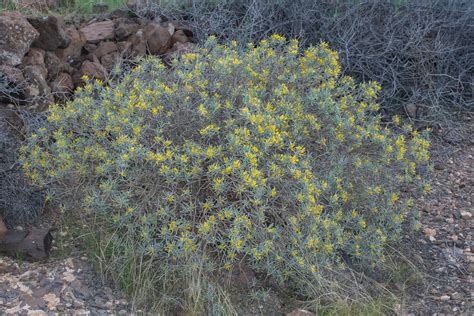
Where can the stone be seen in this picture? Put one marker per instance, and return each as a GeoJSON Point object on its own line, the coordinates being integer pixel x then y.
{"type": "Point", "coordinates": [158, 39]}
{"type": "Point", "coordinates": [138, 5]}
{"type": "Point", "coordinates": [51, 33]}
{"type": "Point", "coordinates": [138, 44]}
{"type": "Point", "coordinates": [93, 69]}
{"type": "Point", "coordinates": [72, 53]}
{"type": "Point", "coordinates": [444, 298]}
{"type": "Point", "coordinates": [430, 232]}
{"type": "Point", "coordinates": [98, 31]}
{"type": "Point", "coordinates": [177, 50]}
{"type": "Point", "coordinates": [466, 214]}
{"type": "Point", "coordinates": [16, 36]}
{"type": "Point", "coordinates": [55, 66]}
{"type": "Point", "coordinates": [35, 56]}
{"type": "Point", "coordinates": [37, 91]}
{"type": "Point", "coordinates": [110, 60]}
{"type": "Point", "coordinates": [179, 37]}
{"type": "Point", "coordinates": [105, 48]}
{"type": "Point", "coordinates": [124, 29]}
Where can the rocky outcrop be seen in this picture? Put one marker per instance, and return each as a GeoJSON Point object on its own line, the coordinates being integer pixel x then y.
{"type": "Point", "coordinates": [46, 59]}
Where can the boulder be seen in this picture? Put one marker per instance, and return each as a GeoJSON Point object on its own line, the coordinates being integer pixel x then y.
{"type": "Point", "coordinates": [158, 39]}
{"type": "Point", "coordinates": [177, 50]}
{"type": "Point", "coordinates": [16, 36]}
{"type": "Point", "coordinates": [37, 92]}
{"type": "Point", "coordinates": [51, 33]}
{"type": "Point", "coordinates": [105, 48]}
{"type": "Point", "coordinates": [72, 53]}
{"type": "Point", "coordinates": [110, 60]}
{"type": "Point", "coordinates": [98, 31]}
{"type": "Point", "coordinates": [55, 66]}
{"type": "Point", "coordinates": [124, 28]}
{"type": "Point", "coordinates": [93, 69]}
{"type": "Point", "coordinates": [35, 56]}
{"type": "Point", "coordinates": [179, 37]}
{"type": "Point", "coordinates": [138, 44]}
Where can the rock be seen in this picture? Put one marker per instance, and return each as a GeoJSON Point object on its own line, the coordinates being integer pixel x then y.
{"type": "Point", "coordinates": [62, 86]}
{"type": "Point", "coordinates": [466, 214]}
{"type": "Point", "coordinates": [177, 50]}
{"type": "Point", "coordinates": [98, 31]}
{"type": "Point", "coordinates": [183, 27]}
{"type": "Point", "coordinates": [444, 298]}
{"type": "Point", "coordinates": [37, 91]}
{"type": "Point", "coordinates": [105, 48]}
{"type": "Point", "coordinates": [124, 29]}
{"type": "Point", "coordinates": [179, 37]}
{"type": "Point", "coordinates": [55, 66]}
{"type": "Point", "coordinates": [93, 69]}
{"type": "Point", "coordinates": [16, 36]}
{"type": "Point", "coordinates": [51, 33]}
{"type": "Point", "coordinates": [158, 39]}
{"type": "Point", "coordinates": [138, 44]}
{"type": "Point", "coordinates": [456, 296]}
{"type": "Point", "coordinates": [430, 232]}
{"type": "Point", "coordinates": [110, 60]}
{"type": "Point", "coordinates": [72, 53]}
{"type": "Point", "coordinates": [13, 75]}
{"type": "Point", "coordinates": [300, 312]}
{"type": "Point", "coordinates": [125, 48]}
{"type": "Point", "coordinates": [35, 56]}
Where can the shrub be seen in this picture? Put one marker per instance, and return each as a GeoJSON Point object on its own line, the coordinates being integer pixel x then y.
{"type": "Point", "coordinates": [264, 154]}
{"type": "Point", "coordinates": [419, 51]}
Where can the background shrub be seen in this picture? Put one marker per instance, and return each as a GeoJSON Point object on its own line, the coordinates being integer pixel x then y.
{"type": "Point", "coordinates": [264, 154]}
{"type": "Point", "coordinates": [420, 51]}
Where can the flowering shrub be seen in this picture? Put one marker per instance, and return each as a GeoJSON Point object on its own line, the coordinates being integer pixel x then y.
{"type": "Point", "coordinates": [263, 152]}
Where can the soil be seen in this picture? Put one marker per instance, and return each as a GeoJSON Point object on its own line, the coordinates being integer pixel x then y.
{"type": "Point", "coordinates": [444, 246]}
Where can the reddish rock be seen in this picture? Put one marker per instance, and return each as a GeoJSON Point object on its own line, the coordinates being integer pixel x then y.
{"type": "Point", "coordinates": [55, 66]}
{"type": "Point", "coordinates": [37, 91]}
{"type": "Point", "coordinates": [72, 53]}
{"type": "Point", "coordinates": [158, 39]}
{"type": "Point", "coordinates": [124, 29]}
{"type": "Point", "coordinates": [93, 69]}
{"type": "Point", "coordinates": [179, 37]}
{"type": "Point", "coordinates": [16, 36]}
{"type": "Point", "coordinates": [98, 31]}
{"type": "Point", "coordinates": [35, 56]}
{"type": "Point", "coordinates": [124, 48]}
{"type": "Point", "coordinates": [105, 48]}
{"type": "Point", "coordinates": [182, 27]}
{"type": "Point", "coordinates": [138, 44]}
{"type": "Point", "coordinates": [110, 60]}
{"type": "Point", "coordinates": [177, 50]}
{"type": "Point", "coordinates": [51, 33]}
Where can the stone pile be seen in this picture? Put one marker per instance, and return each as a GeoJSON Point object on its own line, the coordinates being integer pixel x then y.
{"type": "Point", "coordinates": [44, 58]}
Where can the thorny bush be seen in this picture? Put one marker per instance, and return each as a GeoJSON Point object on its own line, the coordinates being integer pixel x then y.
{"type": "Point", "coordinates": [264, 153]}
